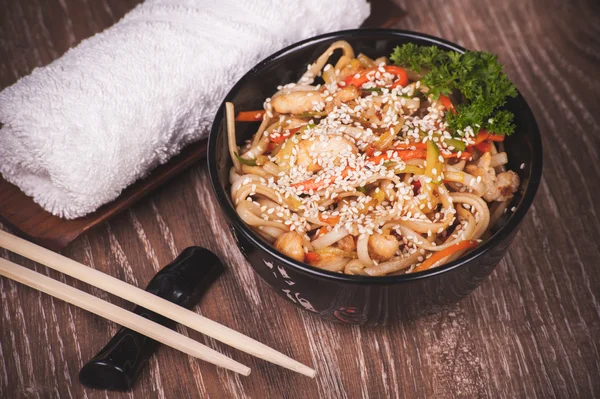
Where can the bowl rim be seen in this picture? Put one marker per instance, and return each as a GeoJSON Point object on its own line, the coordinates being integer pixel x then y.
{"type": "Point", "coordinates": [535, 172]}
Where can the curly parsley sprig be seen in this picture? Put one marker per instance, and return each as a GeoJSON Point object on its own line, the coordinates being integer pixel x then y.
{"type": "Point", "coordinates": [475, 77]}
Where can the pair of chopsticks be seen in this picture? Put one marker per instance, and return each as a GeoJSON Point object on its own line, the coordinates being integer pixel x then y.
{"type": "Point", "coordinates": [139, 297]}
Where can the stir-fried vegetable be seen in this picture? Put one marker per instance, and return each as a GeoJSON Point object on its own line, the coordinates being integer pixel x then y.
{"type": "Point", "coordinates": [457, 145]}
{"type": "Point", "coordinates": [447, 103]}
{"type": "Point", "coordinates": [434, 166]}
{"type": "Point", "coordinates": [404, 155]}
{"type": "Point", "coordinates": [250, 116]}
{"type": "Point", "coordinates": [364, 76]}
{"type": "Point", "coordinates": [247, 162]}
{"type": "Point", "coordinates": [438, 256]}
{"type": "Point", "coordinates": [330, 220]}
{"type": "Point", "coordinates": [280, 138]}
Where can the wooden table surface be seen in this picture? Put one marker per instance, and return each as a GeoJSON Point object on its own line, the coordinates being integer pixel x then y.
{"type": "Point", "coordinates": [531, 330]}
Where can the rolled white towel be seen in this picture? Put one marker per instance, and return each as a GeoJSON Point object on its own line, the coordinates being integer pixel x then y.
{"type": "Point", "coordinates": [80, 130]}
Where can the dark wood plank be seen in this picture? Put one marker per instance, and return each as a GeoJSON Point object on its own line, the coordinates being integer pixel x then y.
{"type": "Point", "coordinates": [531, 330]}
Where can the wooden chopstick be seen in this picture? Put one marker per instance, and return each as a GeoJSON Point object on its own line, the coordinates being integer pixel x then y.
{"type": "Point", "coordinates": [149, 301]}
{"type": "Point", "coordinates": [119, 315]}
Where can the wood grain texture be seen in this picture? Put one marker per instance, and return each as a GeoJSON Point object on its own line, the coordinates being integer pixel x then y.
{"type": "Point", "coordinates": [531, 330]}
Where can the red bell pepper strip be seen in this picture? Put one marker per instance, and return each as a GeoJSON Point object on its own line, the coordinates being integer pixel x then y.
{"type": "Point", "coordinates": [484, 146]}
{"type": "Point", "coordinates": [484, 135]}
{"type": "Point", "coordinates": [363, 76]}
{"type": "Point", "coordinates": [403, 155]}
{"type": "Point", "coordinates": [311, 257]}
{"type": "Point", "coordinates": [400, 72]}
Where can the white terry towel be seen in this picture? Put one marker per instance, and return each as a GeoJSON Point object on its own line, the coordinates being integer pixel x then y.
{"type": "Point", "coordinates": [80, 130]}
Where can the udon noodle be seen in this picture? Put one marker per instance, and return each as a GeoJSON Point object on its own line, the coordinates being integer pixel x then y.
{"type": "Point", "coordinates": [360, 175]}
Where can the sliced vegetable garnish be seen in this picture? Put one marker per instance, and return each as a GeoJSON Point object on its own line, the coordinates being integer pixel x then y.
{"type": "Point", "coordinates": [311, 257]}
{"type": "Point", "coordinates": [484, 135]}
{"type": "Point", "coordinates": [466, 155]}
{"type": "Point", "coordinates": [433, 167]}
{"type": "Point", "coordinates": [313, 184]}
{"type": "Point", "coordinates": [364, 76]}
{"type": "Point", "coordinates": [250, 116]}
{"type": "Point", "coordinates": [438, 256]}
{"type": "Point", "coordinates": [457, 145]}
{"type": "Point", "coordinates": [412, 169]}
{"type": "Point", "coordinates": [402, 155]}
{"type": "Point", "coordinates": [280, 138]}
{"type": "Point", "coordinates": [484, 146]}
{"type": "Point", "coordinates": [247, 162]}
{"type": "Point", "coordinates": [447, 103]}
{"type": "Point", "coordinates": [330, 220]}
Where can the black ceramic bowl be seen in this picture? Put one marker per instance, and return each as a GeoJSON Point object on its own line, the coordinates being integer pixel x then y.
{"type": "Point", "coordinates": [360, 299]}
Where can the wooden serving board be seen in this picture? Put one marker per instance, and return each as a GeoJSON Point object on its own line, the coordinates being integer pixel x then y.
{"type": "Point", "coordinates": [28, 219]}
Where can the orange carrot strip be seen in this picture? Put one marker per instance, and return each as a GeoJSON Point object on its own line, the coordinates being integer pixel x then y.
{"type": "Point", "coordinates": [312, 184]}
{"type": "Point", "coordinates": [250, 116]}
{"type": "Point", "coordinates": [330, 220]}
{"type": "Point", "coordinates": [438, 256]}
{"type": "Point", "coordinates": [281, 138]}
{"type": "Point", "coordinates": [322, 230]}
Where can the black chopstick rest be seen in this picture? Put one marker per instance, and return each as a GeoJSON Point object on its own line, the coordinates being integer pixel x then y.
{"type": "Point", "coordinates": [182, 282]}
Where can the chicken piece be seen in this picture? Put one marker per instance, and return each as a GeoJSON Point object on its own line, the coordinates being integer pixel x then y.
{"type": "Point", "coordinates": [488, 176]}
{"type": "Point", "coordinates": [498, 187]}
{"type": "Point", "coordinates": [352, 68]}
{"type": "Point", "coordinates": [331, 262]}
{"type": "Point", "coordinates": [297, 102]}
{"type": "Point", "coordinates": [355, 267]}
{"type": "Point", "coordinates": [290, 244]}
{"type": "Point", "coordinates": [382, 247]}
{"type": "Point", "coordinates": [343, 95]}
{"type": "Point", "coordinates": [507, 183]}
{"type": "Point", "coordinates": [314, 154]}
{"type": "Point", "coordinates": [346, 244]}
{"type": "Point", "coordinates": [347, 94]}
